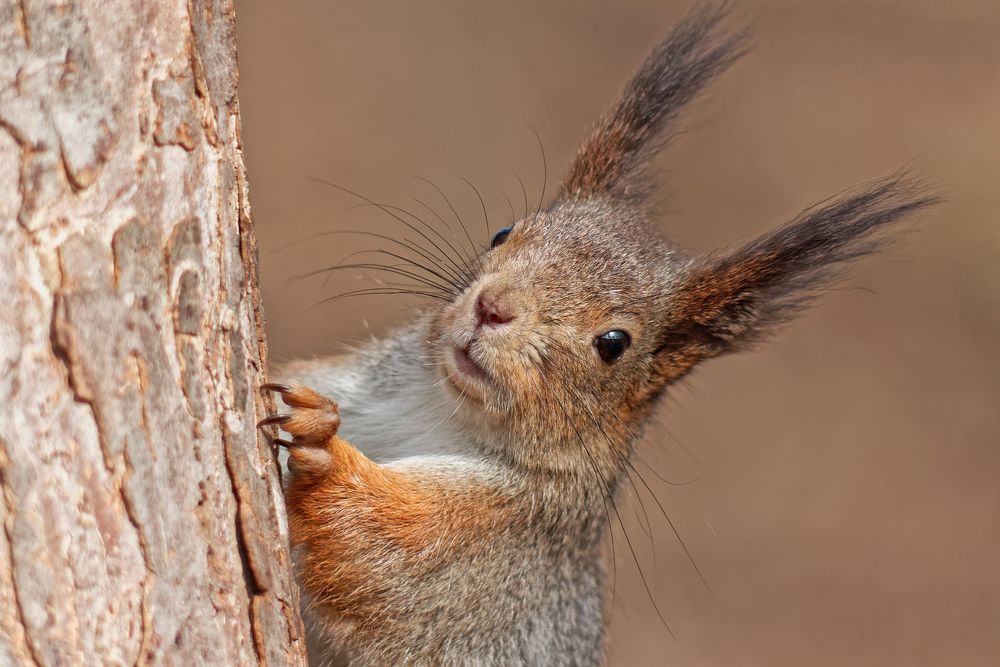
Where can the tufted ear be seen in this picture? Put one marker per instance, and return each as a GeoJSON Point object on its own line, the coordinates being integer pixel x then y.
{"type": "Point", "coordinates": [611, 162]}
{"type": "Point", "coordinates": [729, 301]}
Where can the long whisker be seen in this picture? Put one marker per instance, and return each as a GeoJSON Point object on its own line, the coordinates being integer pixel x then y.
{"type": "Point", "coordinates": [355, 254]}
{"type": "Point", "coordinates": [457, 268]}
{"type": "Point", "coordinates": [509, 205]}
{"type": "Point", "coordinates": [628, 541]}
{"type": "Point", "coordinates": [523, 192]}
{"type": "Point", "coordinates": [446, 284]}
{"type": "Point", "coordinates": [380, 290]}
{"type": "Point", "coordinates": [467, 257]}
{"type": "Point", "coordinates": [380, 267]}
{"type": "Point", "coordinates": [449, 287]}
{"type": "Point", "coordinates": [677, 441]}
{"type": "Point", "coordinates": [486, 216]}
{"type": "Point", "coordinates": [343, 259]}
{"type": "Point", "coordinates": [383, 207]}
{"type": "Point", "coordinates": [405, 243]}
{"type": "Point", "coordinates": [635, 441]}
{"type": "Point", "coordinates": [545, 170]}
{"type": "Point", "coordinates": [656, 499]}
{"type": "Point", "coordinates": [660, 477]}
{"type": "Point", "coordinates": [458, 265]}
{"type": "Point", "coordinates": [605, 497]}
{"type": "Point", "coordinates": [451, 206]}
{"type": "Point", "coordinates": [647, 528]}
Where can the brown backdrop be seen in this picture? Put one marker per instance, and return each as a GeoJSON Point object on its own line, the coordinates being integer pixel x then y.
{"type": "Point", "coordinates": [847, 508]}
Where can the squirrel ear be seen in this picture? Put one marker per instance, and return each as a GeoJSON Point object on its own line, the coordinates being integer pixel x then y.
{"type": "Point", "coordinates": [610, 163]}
{"type": "Point", "coordinates": [734, 300]}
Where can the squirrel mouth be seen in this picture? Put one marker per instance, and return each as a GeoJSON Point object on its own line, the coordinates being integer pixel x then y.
{"type": "Point", "coordinates": [465, 364]}
{"type": "Point", "coordinates": [466, 376]}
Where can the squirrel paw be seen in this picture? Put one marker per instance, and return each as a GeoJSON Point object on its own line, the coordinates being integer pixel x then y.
{"type": "Point", "coordinates": [313, 420]}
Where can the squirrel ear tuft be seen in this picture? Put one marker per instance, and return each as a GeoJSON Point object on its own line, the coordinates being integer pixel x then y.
{"type": "Point", "coordinates": [611, 163]}
{"type": "Point", "coordinates": [731, 301]}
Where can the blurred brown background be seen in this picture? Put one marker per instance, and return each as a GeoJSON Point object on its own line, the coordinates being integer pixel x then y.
{"type": "Point", "coordinates": [847, 508]}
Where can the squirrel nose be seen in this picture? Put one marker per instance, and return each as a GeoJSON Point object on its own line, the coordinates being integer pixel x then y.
{"type": "Point", "coordinates": [492, 310]}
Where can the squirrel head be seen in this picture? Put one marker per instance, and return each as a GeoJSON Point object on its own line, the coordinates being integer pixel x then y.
{"type": "Point", "coordinates": [580, 315]}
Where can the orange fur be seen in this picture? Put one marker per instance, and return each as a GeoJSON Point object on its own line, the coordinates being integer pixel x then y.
{"type": "Point", "coordinates": [363, 523]}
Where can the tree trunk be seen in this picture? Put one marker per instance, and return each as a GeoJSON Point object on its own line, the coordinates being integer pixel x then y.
{"type": "Point", "coordinates": [142, 516]}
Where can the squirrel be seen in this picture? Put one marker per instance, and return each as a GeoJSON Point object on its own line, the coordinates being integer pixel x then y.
{"type": "Point", "coordinates": [460, 515]}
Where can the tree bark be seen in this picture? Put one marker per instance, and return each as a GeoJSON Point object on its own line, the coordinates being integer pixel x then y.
{"type": "Point", "coordinates": [142, 515]}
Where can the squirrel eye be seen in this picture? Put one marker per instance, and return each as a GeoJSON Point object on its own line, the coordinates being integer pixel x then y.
{"type": "Point", "coordinates": [500, 237]}
{"type": "Point", "coordinates": [612, 345]}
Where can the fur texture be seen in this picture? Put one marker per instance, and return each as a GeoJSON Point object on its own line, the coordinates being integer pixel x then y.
{"type": "Point", "coordinates": [459, 516]}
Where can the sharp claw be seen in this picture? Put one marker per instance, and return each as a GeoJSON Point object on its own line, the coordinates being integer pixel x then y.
{"type": "Point", "coordinates": [274, 419]}
{"type": "Point", "coordinates": [288, 444]}
{"type": "Point", "coordinates": [279, 388]}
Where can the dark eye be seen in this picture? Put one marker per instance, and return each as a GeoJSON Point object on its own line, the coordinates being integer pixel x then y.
{"type": "Point", "coordinates": [500, 237]}
{"type": "Point", "coordinates": [612, 345]}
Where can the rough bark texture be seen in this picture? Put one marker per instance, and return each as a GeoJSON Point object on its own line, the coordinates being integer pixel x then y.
{"type": "Point", "coordinates": [142, 516]}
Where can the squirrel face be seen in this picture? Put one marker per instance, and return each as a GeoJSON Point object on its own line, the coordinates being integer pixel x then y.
{"type": "Point", "coordinates": [580, 315]}
{"type": "Point", "coordinates": [562, 316]}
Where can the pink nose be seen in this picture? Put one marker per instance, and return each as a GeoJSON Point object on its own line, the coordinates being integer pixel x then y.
{"type": "Point", "coordinates": [491, 311]}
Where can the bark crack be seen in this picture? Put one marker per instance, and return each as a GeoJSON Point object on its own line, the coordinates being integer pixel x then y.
{"type": "Point", "coordinates": [254, 589]}
{"type": "Point", "coordinates": [62, 350]}
{"type": "Point", "coordinates": [26, 150]}
{"type": "Point", "coordinates": [9, 506]}
{"type": "Point", "coordinates": [22, 22]}
{"type": "Point", "coordinates": [148, 577]}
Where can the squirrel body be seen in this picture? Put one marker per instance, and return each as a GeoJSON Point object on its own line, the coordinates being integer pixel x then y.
{"type": "Point", "coordinates": [480, 581]}
{"type": "Point", "coordinates": [460, 515]}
